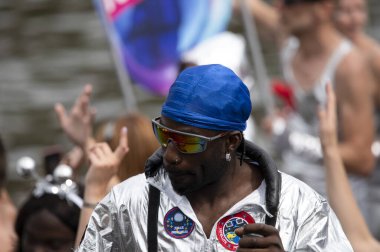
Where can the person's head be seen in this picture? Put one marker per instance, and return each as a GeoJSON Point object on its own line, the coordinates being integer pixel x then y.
{"type": "Point", "coordinates": [201, 125]}
{"type": "Point", "coordinates": [47, 223]}
{"type": "Point", "coordinates": [303, 16]}
{"type": "Point", "coordinates": [350, 17]}
{"type": "Point", "coordinates": [141, 141]}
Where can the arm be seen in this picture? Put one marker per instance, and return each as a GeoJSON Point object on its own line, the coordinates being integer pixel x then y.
{"type": "Point", "coordinates": [103, 229]}
{"type": "Point", "coordinates": [8, 236]}
{"type": "Point", "coordinates": [77, 124]}
{"type": "Point", "coordinates": [104, 165]}
{"type": "Point", "coordinates": [355, 104]}
{"type": "Point", "coordinates": [266, 16]}
{"type": "Point", "coordinates": [338, 188]}
{"type": "Point", "coordinates": [375, 67]}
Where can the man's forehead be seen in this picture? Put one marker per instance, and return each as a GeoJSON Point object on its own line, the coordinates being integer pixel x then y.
{"type": "Point", "coordinates": [186, 128]}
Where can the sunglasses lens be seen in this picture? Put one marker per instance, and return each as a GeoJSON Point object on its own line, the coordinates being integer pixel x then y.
{"type": "Point", "coordinates": [184, 143]}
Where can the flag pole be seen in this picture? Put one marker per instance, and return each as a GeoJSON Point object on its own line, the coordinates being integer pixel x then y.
{"type": "Point", "coordinates": [124, 79]}
{"type": "Point", "coordinates": [257, 58]}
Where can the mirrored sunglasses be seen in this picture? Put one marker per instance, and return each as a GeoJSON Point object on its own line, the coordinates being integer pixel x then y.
{"type": "Point", "coordinates": [186, 143]}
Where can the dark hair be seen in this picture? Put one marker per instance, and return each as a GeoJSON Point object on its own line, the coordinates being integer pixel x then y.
{"type": "Point", "coordinates": [3, 164]}
{"type": "Point", "coordinates": [292, 2]}
{"type": "Point", "coordinates": [67, 212]}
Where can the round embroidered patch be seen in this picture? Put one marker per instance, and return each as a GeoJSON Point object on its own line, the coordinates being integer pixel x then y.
{"type": "Point", "coordinates": [225, 229]}
{"type": "Point", "coordinates": [177, 224]}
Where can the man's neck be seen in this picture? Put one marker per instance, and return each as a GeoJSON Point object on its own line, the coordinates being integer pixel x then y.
{"type": "Point", "coordinates": [211, 202]}
{"type": "Point", "coordinates": [236, 183]}
{"type": "Point", "coordinates": [322, 39]}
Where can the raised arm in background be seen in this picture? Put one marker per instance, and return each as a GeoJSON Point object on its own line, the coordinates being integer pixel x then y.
{"type": "Point", "coordinates": [267, 17]}
{"type": "Point", "coordinates": [104, 164]}
{"type": "Point", "coordinates": [77, 123]}
{"type": "Point", "coordinates": [338, 188]}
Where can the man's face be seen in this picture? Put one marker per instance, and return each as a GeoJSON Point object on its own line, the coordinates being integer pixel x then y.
{"type": "Point", "coordinates": [350, 16]}
{"type": "Point", "coordinates": [194, 171]}
{"type": "Point", "coordinates": [297, 18]}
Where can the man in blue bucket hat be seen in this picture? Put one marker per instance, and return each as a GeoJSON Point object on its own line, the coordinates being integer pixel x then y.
{"type": "Point", "coordinates": [206, 189]}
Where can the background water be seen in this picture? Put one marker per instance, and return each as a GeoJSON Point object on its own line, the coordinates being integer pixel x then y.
{"type": "Point", "coordinates": [48, 50]}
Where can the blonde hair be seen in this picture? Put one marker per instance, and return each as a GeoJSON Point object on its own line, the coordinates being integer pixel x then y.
{"type": "Point", "coordinates": [141, 140]}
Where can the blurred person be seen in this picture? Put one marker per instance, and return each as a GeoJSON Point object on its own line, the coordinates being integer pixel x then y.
{"type": "Point", "coordinates": [313, 51]}
{"type": "Point", "coordinates": [338, 188]}
{"type": "Point", "coordinates": [207, 188]}
{"type": "Point", "coordinates": [47, 223]}
{"type": "Point", "coordinates": [8, 237]}
{"type": "Point", "coordinates": [48, 219]}
{"type": "Point", "coordinates": [350, 18]}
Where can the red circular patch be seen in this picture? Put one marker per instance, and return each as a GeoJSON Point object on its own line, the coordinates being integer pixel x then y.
{"type": "Point", "coordinates": [225, 229]}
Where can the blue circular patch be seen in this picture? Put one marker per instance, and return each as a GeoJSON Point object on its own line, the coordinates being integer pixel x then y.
{"type": "Point", "coordinates": [178, 225]}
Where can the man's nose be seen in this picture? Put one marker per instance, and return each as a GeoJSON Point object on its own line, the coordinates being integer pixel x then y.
{"type": "Point", "coordinates": [171, 154]}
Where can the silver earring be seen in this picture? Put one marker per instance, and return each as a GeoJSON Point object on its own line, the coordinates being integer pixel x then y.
{"type": "Point", "coordinates": [228, 157]}
{"type": "Point", "coordinates": [176, 161]}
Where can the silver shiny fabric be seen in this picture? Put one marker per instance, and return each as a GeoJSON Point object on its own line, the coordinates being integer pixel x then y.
{"type": "Point", "coordinates": [119, 223]}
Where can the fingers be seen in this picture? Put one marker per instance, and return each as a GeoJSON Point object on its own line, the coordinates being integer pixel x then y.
{"type": "Point", "coordinates": [329, 111]}
{"type": "Point", "coordinates": [87, 90]}
{"type": "Point", "coordinates": [92, 115]}
{"type": "Point", "coordinates": [61, 113]}
{"type": "Point", "coordinates": [259, 236]}
{"type": "Point", "coordinates": [123, 147]}
{"type": "Point", "coordinates": [321, 114]}
{"type": "Point", "coordinates": [257, 228]}
{"type": "Point", "coordinates": [99, 153]}
{"type": "Point", "coordinates": [331, 101]}
{"type": "Point", "coordinates": [81, 105]}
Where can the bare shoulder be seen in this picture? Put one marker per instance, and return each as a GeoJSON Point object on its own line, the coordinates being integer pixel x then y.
{"type": "Point", "coordinates": [352, 63]}
{"type": "Point", "coordinates": [353, 74]}
{"type": "Point", "coordinates": [374, 59]}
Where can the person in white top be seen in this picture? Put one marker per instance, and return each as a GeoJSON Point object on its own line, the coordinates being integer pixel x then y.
{"type": "Point", "coordinates": [350, 18]}
{"type": "Point", "coordinates": [206, 188]}
{"type": "Point", "coordinates": [338, 188]}
{"type": "Point", "coordinates": [313, 51]}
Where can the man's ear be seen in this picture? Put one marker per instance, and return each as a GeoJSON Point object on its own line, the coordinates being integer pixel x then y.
{"type": "Point", "coordinates": [234, 140]}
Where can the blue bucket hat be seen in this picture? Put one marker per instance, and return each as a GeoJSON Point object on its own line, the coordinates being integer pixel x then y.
{"type": "Point", "coordinates": [210, 97]}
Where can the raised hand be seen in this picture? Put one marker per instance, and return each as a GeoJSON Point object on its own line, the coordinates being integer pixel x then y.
{"type": "Point", "coordinates": [328, 121]}
{"type": "Point", "coordinates": [104, 162]}
{"type": "Point", "coordinates": [104, 165]}
{"type": "Point", "coordinates": [259, 237]}
{"type": "Point", "coordinates": [77, 124]}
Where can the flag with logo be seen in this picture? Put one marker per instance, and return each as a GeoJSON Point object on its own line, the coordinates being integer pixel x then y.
{"type": "Point", "coordinates": [151, 35]}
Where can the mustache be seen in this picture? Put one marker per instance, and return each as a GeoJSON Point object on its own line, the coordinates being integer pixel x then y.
{"type": "Point", "coordinates": [175, 170]}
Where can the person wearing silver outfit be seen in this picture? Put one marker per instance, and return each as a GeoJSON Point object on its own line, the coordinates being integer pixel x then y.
{"type": "Point", "coordinates": [206, 188]}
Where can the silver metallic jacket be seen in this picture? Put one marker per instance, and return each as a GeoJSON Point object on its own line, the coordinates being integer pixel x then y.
{"type": "Point", "coordinates": [119, 222]}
